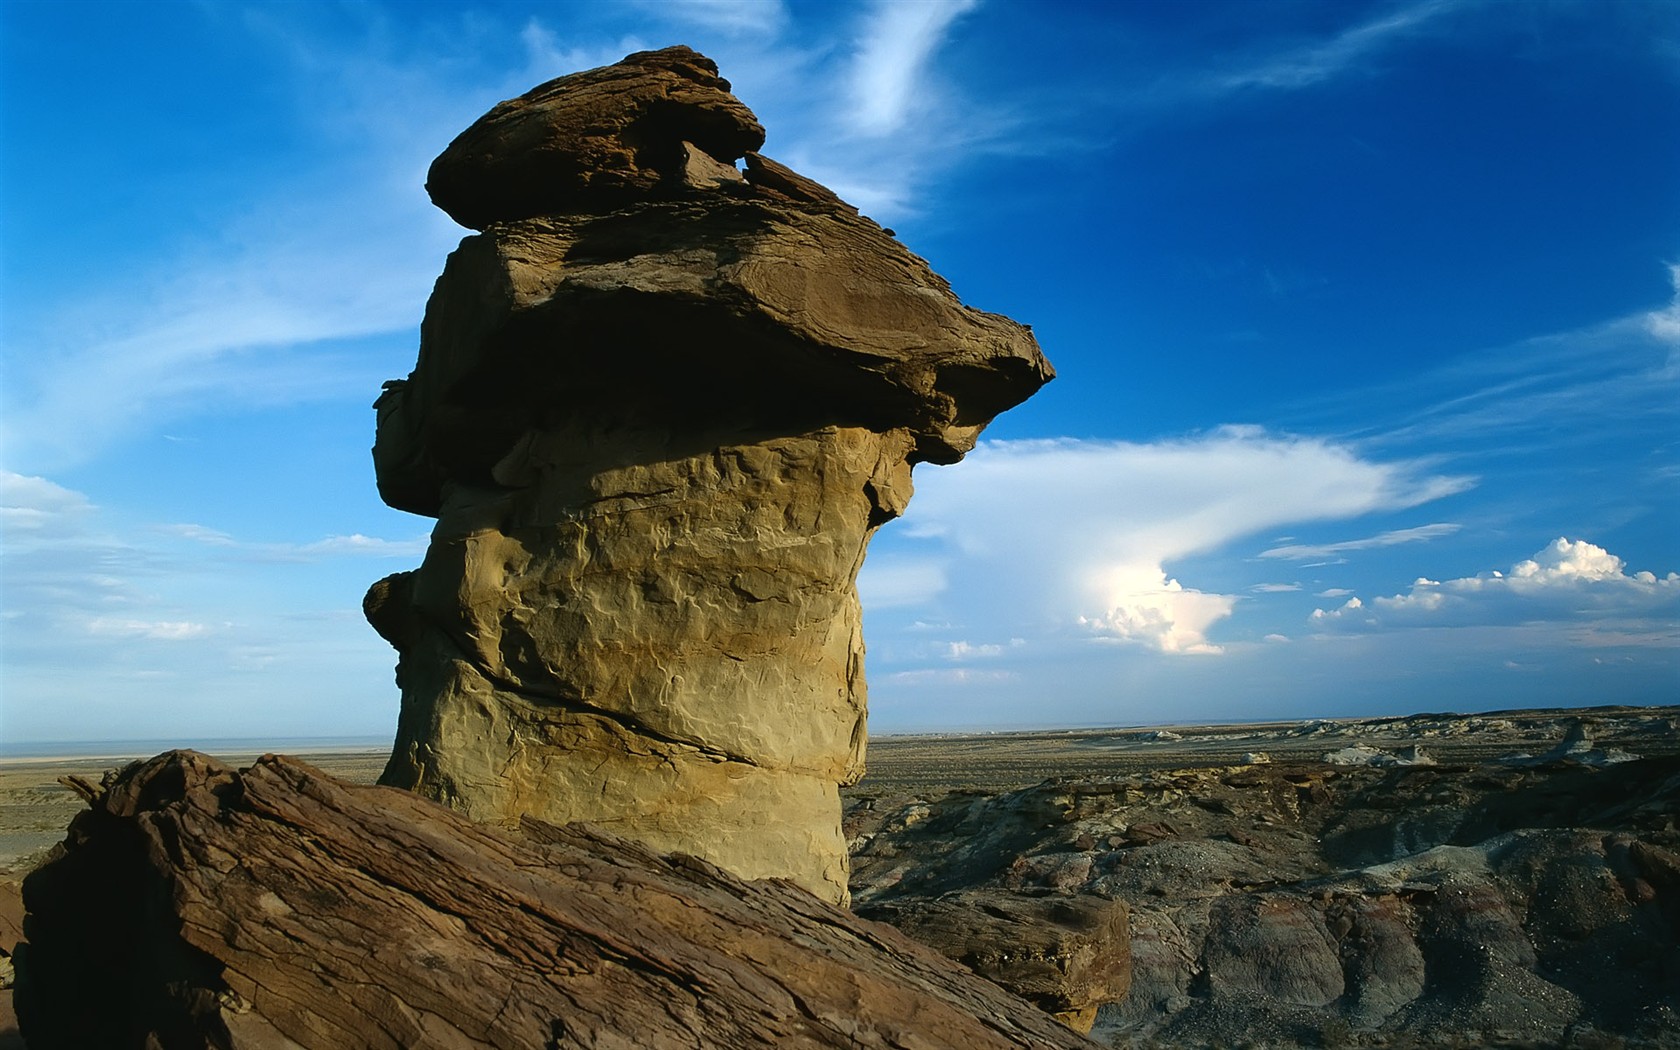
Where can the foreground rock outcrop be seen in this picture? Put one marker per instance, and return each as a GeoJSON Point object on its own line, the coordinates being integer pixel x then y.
{"type": "Point", "coordinates": [660, 407]}
{"type": "Point", "coordinates": [195, 906]}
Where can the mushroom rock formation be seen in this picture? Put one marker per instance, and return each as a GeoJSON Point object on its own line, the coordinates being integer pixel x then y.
{"type": "Point", "coordinates": [660, 407]}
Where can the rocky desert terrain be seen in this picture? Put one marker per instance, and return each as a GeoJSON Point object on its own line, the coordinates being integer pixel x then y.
{"type": "Point", "coordinates": [1510, 879]}
{"type": "Point", "coordinates": [1507, 879]}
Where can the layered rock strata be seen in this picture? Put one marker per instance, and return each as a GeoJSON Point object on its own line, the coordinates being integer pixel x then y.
{"type": "Point", "coordinates": [1300, 903]}
{"type": "Point", "coordinates": [660, 407]}
{"type": "Point", "coordinates": [196, 906]}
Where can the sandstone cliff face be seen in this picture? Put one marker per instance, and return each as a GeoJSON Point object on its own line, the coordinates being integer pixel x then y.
{"type": "Point", "coordinates": [660, 407]}
{"type": "Point", "coordinates": [195, 906]}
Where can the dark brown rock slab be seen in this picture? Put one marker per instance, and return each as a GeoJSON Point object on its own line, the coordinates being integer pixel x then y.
{"type": "Point", "coordinates": [595, 139]}
{"type": "Point", "coordinates": [275, 906]}
{"type": "Point", "coordinates": [1070, 955]}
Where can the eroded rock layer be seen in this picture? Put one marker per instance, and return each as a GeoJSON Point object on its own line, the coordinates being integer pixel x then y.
{"type": "Point", "coordinates": [196, 906]}
{"type": "Point", "coordinates": [660, 407]}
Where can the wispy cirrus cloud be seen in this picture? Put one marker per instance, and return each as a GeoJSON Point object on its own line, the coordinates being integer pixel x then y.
{"type": "Point", "coordinates": [1392, 538]}
{"type": "Point", "coordinates": [892, 54]}
{"type": "Point", "coordinates": [728, 16]}
{"type": "Point", "coordinates": [1558, 389]}
{"type": "Point", "coordinates": [95, 604]}
{"type": "Point", "coordinates": [1309, 64]}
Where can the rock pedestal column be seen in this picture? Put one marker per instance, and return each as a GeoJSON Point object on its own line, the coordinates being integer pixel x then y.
{"type": "Point", "coordinates": [661, 405]}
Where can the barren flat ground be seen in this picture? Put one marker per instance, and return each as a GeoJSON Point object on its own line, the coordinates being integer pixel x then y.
{"type": "Point", "coordinates": [35, 808]}
{"type": "Point", "coordinates": [936, 763]}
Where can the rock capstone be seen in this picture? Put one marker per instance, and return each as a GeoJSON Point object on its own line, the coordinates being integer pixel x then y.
{"type": "Point", "coordinates": [661, 406]}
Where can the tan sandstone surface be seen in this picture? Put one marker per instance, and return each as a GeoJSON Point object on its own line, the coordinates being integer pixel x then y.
{"type": "Point", "coordinates": [660, 407]}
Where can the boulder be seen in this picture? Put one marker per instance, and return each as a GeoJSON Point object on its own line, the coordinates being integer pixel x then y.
{"type": "Point", "coordinates": [659, 411]}
{"type": "Point", "coordinates": [196, 906]}
{"type": "Point", "coordinates": [1069, 955]}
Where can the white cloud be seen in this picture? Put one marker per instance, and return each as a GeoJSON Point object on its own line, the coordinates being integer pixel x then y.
{"type": "Point", "coordinates": [1617, 379]}
{"type": "Point", "coordinates": [1303, 551]}
{"type": "Point", "coordinates": [546, 59]}
{"type": "Point", "coordinates": [1275, 588]}
{"type": "Point", "coordinates": [1311, 64]}
{"type": "Point", "coordinates": [1067, 534]}
{"type": "Point", "coordinates": [728, 16]}
{"type": "Point", "coordinates": [1148, 607]}
{"type": "Point", "coordinates": [950, 676]}
{"type": "Point", "coordinates": [959, 651]}
{"type": "Point", "coordinates": [1664, 324]}
{"type": "Point", "coordinates": [156, 630]}
{"type": "Point", "coordinates": [33, 503]}
{"type": "Point", "coordinates": [1567, 581]}
{"type": "Point", "coordinates": [897, 42]}
{"type": "Point", "coordinates": [356, 543]}
{"type": "Point", "coordinates": [199, 534]}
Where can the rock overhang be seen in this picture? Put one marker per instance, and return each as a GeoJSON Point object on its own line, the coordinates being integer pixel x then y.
{"type": "Point", "coordinates": [700, 313]}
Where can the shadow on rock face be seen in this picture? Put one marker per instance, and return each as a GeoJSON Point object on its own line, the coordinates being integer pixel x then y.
{"type": "Point", "coordinates": [661, 405]}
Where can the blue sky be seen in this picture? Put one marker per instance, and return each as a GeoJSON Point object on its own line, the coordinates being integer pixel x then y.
{"type": "Point", "coordinates": [1367, 318]}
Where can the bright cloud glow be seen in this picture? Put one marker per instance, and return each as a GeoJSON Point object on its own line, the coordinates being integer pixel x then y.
{"type": "Point", "coordinates": [1079, 533]}
{"type": "Point", "coordinates": [888, 68]}
{"type": "Point", "coordinates": [1147, 607]}
{"type": "Point", "coordinates": [1568, 580]}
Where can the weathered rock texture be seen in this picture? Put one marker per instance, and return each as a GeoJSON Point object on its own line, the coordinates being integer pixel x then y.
{"type": "Point", "coordinates": [1299, 903]}
{"type": "Point", "coordinates": [195, 906]}
{"type": "Point", "coordinates": [660, 408]}
{"type": "Point", "coordinates": [1069, 955]}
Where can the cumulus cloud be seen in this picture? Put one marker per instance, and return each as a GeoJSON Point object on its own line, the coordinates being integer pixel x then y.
{"type": "Point", "coordinates": [1150, 608]}
{"type": "Point", "coordinates": [1080, 533]}
{"type": "Point", "coordinates": [1568, 581]}
{"type": "Point", "coordinates": [1304, 551]}
{"type": "Point", "coordinates": [897, 42]}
